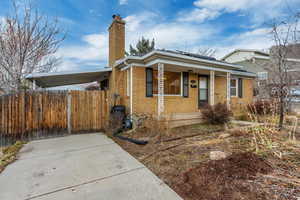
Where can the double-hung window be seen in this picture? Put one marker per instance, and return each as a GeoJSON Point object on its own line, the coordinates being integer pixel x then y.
{"type": "Point", "coordinates": [233, 87]}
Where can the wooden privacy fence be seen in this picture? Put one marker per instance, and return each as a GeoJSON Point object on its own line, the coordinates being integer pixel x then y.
{"type": "Point", "coordinates": [32, 115]}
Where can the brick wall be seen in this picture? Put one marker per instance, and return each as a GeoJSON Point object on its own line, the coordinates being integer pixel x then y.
{"type": "Point", "coordinates": [177, 104]}
{"type": "Point", "coordinates": [141, 103]}
{"type": "Point", "coordinates": [238, 104]}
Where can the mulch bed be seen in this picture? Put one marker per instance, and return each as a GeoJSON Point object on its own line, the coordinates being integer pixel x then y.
{"type": "Point", "coordinates": [224, 179]}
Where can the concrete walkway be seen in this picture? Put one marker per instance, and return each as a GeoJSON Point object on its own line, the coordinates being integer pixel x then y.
{"type": "Point", "coordinates": [80, 167]}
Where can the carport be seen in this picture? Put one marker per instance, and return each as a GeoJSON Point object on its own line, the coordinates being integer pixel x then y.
{"type": "Point", "coordinates": [54, 79]}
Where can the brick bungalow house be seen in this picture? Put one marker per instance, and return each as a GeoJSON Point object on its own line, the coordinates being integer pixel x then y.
{"type": "Point", "coordinates": [170, 84]}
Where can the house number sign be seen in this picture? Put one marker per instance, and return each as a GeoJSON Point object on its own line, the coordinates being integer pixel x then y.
{"type": "Point", "coordinates": [193, 84]}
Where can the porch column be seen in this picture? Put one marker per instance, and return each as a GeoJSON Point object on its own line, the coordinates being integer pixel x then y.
{"type": "Point", "coordinates": [33, 84]}
{"type": "Point", "coordinates": [131, 90]}
{"type": "Point", "coordinates": [212, 88]}
{"type": "Point", "coordinates": [160, 95]}
{"type": "Point", "coordinates": [228, 89]}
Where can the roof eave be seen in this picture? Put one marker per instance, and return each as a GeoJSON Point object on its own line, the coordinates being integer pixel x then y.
{"type": "Point", "coordinates": [245, 50]}
{"type": "Point", "coordinates": [40, 75]}
{"type": "Point", "coordinates": [122, 61]}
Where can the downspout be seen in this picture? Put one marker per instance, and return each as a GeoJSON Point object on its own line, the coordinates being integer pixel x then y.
{"type": "Point", "coordinates": [131, 86]}
{"type": "Point", "coordinates": [124, 127]}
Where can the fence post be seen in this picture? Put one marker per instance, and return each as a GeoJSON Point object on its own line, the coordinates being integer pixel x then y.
{"type": "Point", "coordinates": [69, 102]}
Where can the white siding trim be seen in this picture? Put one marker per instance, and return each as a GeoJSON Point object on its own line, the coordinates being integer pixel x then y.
{"type": "Point", "coordinates": [195, 66]}
{"type": "Point", "coordinates": [212, 88]}
{"type": "Point", "coordinates": [228, 89]}
{"type": "Point", "coordinates": [131, 88]}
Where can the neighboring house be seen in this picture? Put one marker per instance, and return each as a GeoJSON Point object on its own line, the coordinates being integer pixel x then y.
{"type": "Point", "coordinates": [257, 62]}
{"type": "Point", "coordinates": [173, 85]}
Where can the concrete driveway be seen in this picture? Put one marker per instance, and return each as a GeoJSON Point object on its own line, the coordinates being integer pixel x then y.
{"type": "Point", "coordinates": [80, 167]}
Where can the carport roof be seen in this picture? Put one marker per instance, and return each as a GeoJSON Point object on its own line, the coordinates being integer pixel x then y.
{"type": "Point", "coordinates": [54, 79]}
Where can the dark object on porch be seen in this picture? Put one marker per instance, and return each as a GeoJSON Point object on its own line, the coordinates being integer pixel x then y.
{"type": "Point", "coordinates": [121, 110]}
{"type": "Point", "coordinates": [118, 114]}
{"type": "Point", "coordinates": [225, 179]}
{"type": "Point", "coordinates": [216, 114]}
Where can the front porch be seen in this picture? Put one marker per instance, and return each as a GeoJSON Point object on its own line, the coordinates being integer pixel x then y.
{"type": "Point", "coordinates": [193, 88]}
{"type": "Point", "coordinates": [177, 93]}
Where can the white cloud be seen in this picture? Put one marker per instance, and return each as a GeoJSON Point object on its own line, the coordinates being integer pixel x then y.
{"type": "Point", "coordinates": [166, 34]}
{"type": "Point", "coordinates": [123, 2]}
{"type": "Point", "coordinates": [94, 47]}
{"type": "Point", "coordinates": [228, 5]}
{"type": "Point", "coordinates": [2, 20]}
{"type": "Point", "coordinates": [93, 52]}
{"type": "Point", "coordinates": [134, 22]}
{"type": "Point", "coordinates": [255, 39]}
{"type": "Point", "coordinates": [63, 20]}
{"type": "Point", "coordinates": [179, 35]}
{"type": "Point", "coordinates": [258, 10]}
{"type": "Point", "coordinates": [198, 15]}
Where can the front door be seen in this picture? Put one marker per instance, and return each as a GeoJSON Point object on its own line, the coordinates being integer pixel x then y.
{"type": "Point", "coordinates": [203, 91]}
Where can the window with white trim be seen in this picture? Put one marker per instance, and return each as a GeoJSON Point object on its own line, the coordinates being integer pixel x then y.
{"type": "Point", "coordinates": [233, 87]}
{"type": "Point", "coordinates": [262, 75]}
{"type": "Point", "coordinates": [172, 83]}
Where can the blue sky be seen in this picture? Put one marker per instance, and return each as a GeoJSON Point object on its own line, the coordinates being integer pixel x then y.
{"type": "Point", "coordinates": [187, 25]}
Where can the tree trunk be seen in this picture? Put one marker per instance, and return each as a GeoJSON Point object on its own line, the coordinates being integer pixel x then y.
{"type": "Point", "coordinates": [281, 113]}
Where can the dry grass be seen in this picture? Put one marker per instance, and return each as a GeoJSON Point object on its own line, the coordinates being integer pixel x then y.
{"type": "Point", "coordinates": [9, 154]}
{"type": "Point", "coordinates": [169, 154]}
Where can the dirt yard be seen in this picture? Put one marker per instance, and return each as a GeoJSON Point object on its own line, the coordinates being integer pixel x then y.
{"type": "Point", "coordinates": [181, 157]}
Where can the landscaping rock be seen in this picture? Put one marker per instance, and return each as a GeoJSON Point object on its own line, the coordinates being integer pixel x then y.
{"type": "Point", "coordinates": [225, 135]}
{"type": "Point", "coordinates": [217, 155]}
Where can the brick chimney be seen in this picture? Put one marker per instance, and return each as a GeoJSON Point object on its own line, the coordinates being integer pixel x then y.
{"type": "Point", "coordinates": [116, 39]}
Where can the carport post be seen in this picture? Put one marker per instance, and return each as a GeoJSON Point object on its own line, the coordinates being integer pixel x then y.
{"type": "Point", "coordinates": [69, 101]}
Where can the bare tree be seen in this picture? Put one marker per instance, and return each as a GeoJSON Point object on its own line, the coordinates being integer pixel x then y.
{"type": "Point", "coordinates": [281, 73]}
{"type": "Point", "coordinates": [28, 43]}
{"type": "Point", "coordinates": [207, 52]}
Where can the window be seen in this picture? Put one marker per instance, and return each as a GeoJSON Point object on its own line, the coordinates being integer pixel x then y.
{"type": "Point", "coordinates": [233, 87]}
{"type": "Point", "coordinates": [240, 87]}
{"type": "Point", "coordinates": [172, 83]}
{"type": "Point", "coordinates": [262, 75]}
{"type": "Point", "coordinates": [149, 82]}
